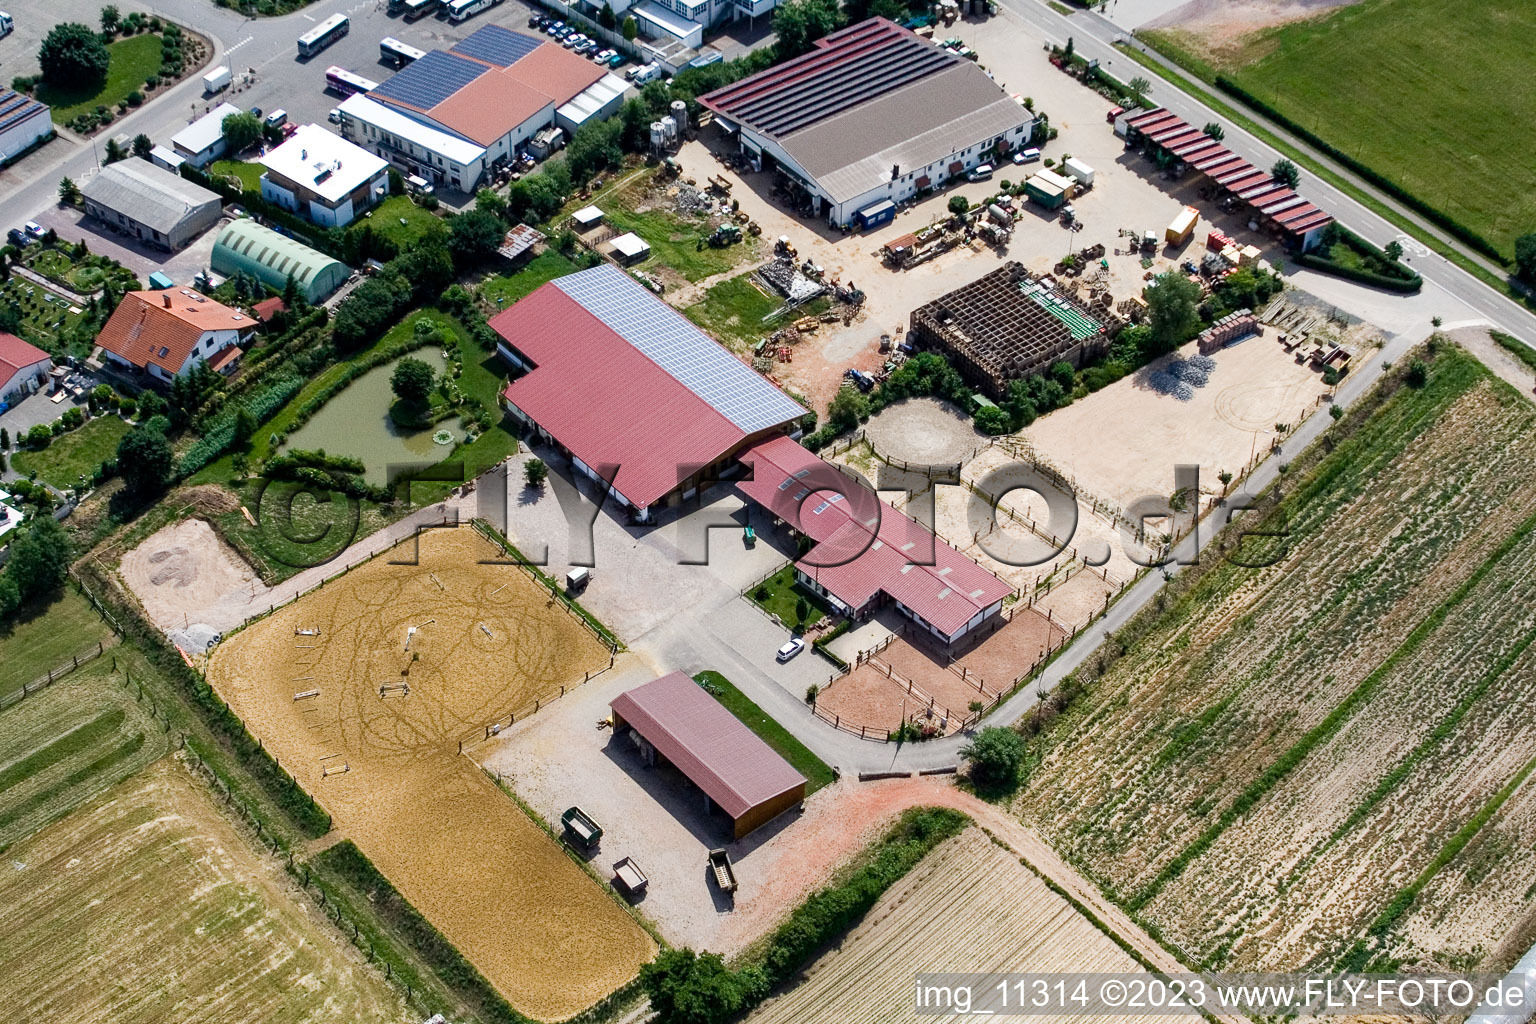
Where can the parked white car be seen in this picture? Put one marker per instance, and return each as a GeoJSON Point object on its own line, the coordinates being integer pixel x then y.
{"type": "Point", "coordinates": [789, 650]}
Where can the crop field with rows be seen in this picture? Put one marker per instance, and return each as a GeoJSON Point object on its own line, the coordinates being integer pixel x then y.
{"type": "Point", "coordinates": [1322, 763]}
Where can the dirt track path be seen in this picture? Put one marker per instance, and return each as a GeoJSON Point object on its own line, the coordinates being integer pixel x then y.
{"type": "Point", "coordinates": [882, 800]}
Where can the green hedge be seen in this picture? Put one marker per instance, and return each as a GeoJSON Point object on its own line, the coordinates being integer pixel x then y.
{"type": "Point", "coordinates": [1376, 178]}
{"type": "Point", "coordinates": [1327, 266]}
{"type": "Point", "coordinates": [219, 435]}
{"type": "Point", "coordinates": [352, 866]}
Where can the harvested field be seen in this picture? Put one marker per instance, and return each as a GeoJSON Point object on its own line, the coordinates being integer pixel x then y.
{"type": "Point", "coordinates": [71, 741]}
{"type": "Point", "coordinates": [1123, 442]}
{"type": "Point", "coordinates": [1349, 725]}
{"type": "Point", "coordinates": [487, 640]}
{"type": "Point", "coordinates": [146, 906]}
{"type": "Point", "coordinates": [968, 906]}
{"type": "Point", "coordinates": [182, 569]}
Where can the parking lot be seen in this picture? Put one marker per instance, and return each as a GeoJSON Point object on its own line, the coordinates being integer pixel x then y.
{"type": "Point", "coordinates": [180, 266]}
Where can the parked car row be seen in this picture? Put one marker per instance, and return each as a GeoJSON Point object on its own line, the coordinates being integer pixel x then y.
{"type": "Point", "coordinates": [576, 42]}
{"type": "Point", "coordinates": [25, 235]}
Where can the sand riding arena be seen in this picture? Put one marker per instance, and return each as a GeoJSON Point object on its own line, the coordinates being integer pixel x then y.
{"type": "Point", "coordinates": [363, 690]}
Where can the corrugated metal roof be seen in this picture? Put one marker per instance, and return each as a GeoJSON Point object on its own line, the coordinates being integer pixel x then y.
{"type": "Point", "coordinates": [683, 351]}
{"type": "Point", "coordinates": [614, 404]}
{"type": "Point", "coordinates": [205, 131]}
{"type": "Point", "coordinates": [728, 761]}
{"type": "Point", "coordinates": [151, 195]}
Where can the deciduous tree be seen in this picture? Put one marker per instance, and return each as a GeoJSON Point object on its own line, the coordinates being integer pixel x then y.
{"type": "Point", "coordinates": [74, 57]}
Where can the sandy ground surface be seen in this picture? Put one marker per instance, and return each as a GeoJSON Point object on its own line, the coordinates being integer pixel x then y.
{"type": "Point", "coordinates": [146, 906]}
{"type": "Point", "coordinates": [1222, 24]}
{"type": "Point", "coordinates": [1488, 352]}
{"type": "Point", "coordinates": [182, 569]}
{"type": "Point", "coordinates": [925, 431]}
{"type": "Point", "coordinates": [969, 906]}
{"type": "Point", "coordinates": [383, 758]}
{"type": "Point", "coordinates": [1122, 443]}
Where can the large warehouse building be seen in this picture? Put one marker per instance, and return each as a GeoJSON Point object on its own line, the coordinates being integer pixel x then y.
{"type": "Point", "coordinates": [873, 114]}
{"type": "Point", "coordinates": [1005, 326]}
{"type": "Point", "coordinates": [625, 384]}
{"type": "Point", "coordinates": [24, 123]}
{"type": "Point", "coordinates": [454, 114]}
{"type": "Point", "coordinates": [864, 552]}
{"type": "Point", "coordinates": [135, 197]}
{"type": "Point", "coordinates": [672, 720]}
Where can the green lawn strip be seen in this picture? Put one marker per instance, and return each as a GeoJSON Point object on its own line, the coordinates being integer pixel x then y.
{"type": "Point", "coordinates": [1359, 955]}
{"type": "Point", "coordinates": [38, 640]}
{"type": "Point", "coordinates": [675, 242]}
{"type": "Point", "coordinates": [248, 173]}
{"type": "Point", "coordinates": [816, 771]}
{"type": "Point", "coordinates": [384, 221]}
{"type": "Point", "coordinates": [505, 289]}
{"type": "Point", "coordinates": [133, 60]}
{"type": "Point", "coordinates": [1498, 282]}
{"type": "Point", "coordinates": [781, 593]}
{"type": "Point", "coordinates": [1325, 729]}
{"type": "Point", "coordinates": [739, 314]}
{"type": "Point", "coordinates": [74, 454]}
{"type": "Point", "coordinates": [1436, 737]}
{"type": "Point", "coordinates": [82, 737]}
{"type": "Point", "coordinates": [1515, 347]}
{"type": "Point", "coordinates": [122, 752]}
{"type": "Point", "coordinates": [346, 862]}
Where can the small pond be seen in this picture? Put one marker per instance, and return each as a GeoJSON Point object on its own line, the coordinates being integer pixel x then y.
{"type": "Point", "coordinates": [356, 423]}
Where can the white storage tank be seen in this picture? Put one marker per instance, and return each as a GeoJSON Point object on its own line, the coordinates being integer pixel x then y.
{"type": "Point", "coordinates": [669, 128]}
{"type": "Point", "coordinates": [1079, 170]}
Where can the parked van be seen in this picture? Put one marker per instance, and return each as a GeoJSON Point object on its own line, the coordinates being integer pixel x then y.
{"type": "Point", "coordinates": [419, 185]}
{"type": "Point", "coordinates": [276, 118]}
{"type": "Point", "coordinates": [218, 79]}
{"type": "Point", "coordinates": [981, 173]}
{"type": "Point", "coordinates": [645, 73]}
{"type": "Point", "coordinates": [1026, 156]}
{"type": "Point", "coordinates": [7, 26]}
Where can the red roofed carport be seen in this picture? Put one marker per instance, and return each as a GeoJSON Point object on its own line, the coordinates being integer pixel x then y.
{"type": "Point", "coordinates": [673, 719]}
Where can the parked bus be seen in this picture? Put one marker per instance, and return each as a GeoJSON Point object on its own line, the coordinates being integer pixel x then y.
{"type": "Point", "coordinates": [323, 35]}
{"type": "Point", "coordinates": [419, 8]}
{"type": "Point", "coordinates": [345, 82]}
{"type": "Point", "coordinates": [396, 6]}
{"type": "Point", "coordinates": [397, 53]}
{"type": "Point", "coordinates": [458, 10]}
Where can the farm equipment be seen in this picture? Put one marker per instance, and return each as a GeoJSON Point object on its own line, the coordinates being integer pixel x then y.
{"type": "Point", "coordinates": [749, 536]}
{"type": "Point", "coordinates": [725, 235]}
{"type": "Point", "coordinates": [725, 875]}
{"type": "Point", "coordinates": [784, 247]}
{"type": "Point", "coordinates": [720, 184]}
{"type": "Point", "coordinates": [629, 878]}
{"type": "Point", "coordinates": [668, 170]}
{"type": "Point", "coordinates": [580, 826]}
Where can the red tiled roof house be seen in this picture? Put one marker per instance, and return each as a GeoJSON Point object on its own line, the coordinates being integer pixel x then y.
{"type": "Point", "coordinates": [23, 367]}
{"type": "Point", "coordinates": [164, 334]}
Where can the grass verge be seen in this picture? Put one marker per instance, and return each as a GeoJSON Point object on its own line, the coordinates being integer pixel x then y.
{"type": "Point", "coordinates": [1515, 347]}
{"type": "Point", "coordinates": [816, 771]}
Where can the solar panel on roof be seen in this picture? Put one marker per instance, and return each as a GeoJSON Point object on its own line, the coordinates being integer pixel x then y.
{"type": "Point", "coordinates": [497, 45]}
{"type": "Point", "coordinates": [427, 82]}
{"type": "Point", "coordinates": [693, 358]}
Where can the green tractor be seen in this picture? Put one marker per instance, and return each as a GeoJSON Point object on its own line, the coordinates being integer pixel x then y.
{"type": "Point", "coordinates": [725, 235]}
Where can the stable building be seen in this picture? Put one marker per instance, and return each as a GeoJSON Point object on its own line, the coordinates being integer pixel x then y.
{"type": "Point", "coordinates": [164, 334]}
{"type": "Point", "coordinates": [454, 115]}
{"type": "Point", "coordinates": [323, 177]}
{"type": "Point", "coordinates": [645, 403]}
{"type": "Point", "coordinates": [246, 246]}
{"type": "Point", "coordinates": [866, 554]}
{"type": "Point", "coordinates": [1006, 326]}
{"type": "Point", "coordinates": [873, 114]}
{"type": "Point", "coordinates": [674, 721]}
{"type": "Point", "coordinates": [150, 203]}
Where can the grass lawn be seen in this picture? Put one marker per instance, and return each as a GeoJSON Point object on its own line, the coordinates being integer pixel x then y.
{"type": "Point", "coordinates": [781, 594]}
{"type": "Point", "coordinates": [385, 218]}
{"type": "Point", "coordinates": [79, 451]}
{"type": "Point", "coordinates": [45, 315]}
{"type": "Point", "coordinates": [676, 242]}
{"type": "Point", "coordinates": [815, 770]}
{"type": "Point", "coordinates": [505, 289]}
{"type": "Point", "coordinates": [1461, 145]}
{"type": "Point", "coordinates": [248, 173]}
{"type": "Point", "coordinates": [43, 638]}
{"type": "Point", "coordinates": [133, 60]}
{"type": "Point", "coordinates": [733, 312]}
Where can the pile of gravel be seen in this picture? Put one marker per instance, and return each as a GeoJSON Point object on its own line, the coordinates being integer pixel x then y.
{"type": "Point", "coordinates": [692, 202]}
{"type": "Point", "coordinates": [1180, 378]}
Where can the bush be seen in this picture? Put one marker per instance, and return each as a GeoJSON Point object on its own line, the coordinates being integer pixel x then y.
{"type": "Point", "coordinates": [535, 472]}
{"type": "Point", "coordinates": [991, 419]}
{"type": "Point", "coordinates": [73, 56]}
{"type": "Point", "coordinates": [996, 756]}
{"type": "Point", "coordinates": [40, 436]}
{"type": "Point", "coordinates": [1417, 374]}
{"type": "Point", "coordinates": [958, 205]}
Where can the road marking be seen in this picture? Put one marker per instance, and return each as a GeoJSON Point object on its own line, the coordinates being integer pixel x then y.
{"type": "Point", "coordinates": [237, 46]}
{"type": "Point", "coordinates": [1412, 246]}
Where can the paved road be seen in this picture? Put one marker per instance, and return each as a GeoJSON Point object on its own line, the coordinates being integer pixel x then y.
{"type": "Point", "coordinates": [1093, 37]}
